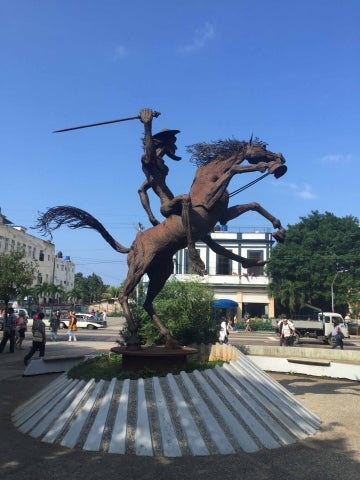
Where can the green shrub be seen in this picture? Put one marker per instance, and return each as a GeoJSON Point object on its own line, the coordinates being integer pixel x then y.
{"type": "Point", "coordinates": [107, 367]}
{"type": "Point", "coordinates": [185, 308]}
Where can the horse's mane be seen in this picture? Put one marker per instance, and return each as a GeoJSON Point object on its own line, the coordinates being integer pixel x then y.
{"type": "Point", "coordinates": [204, 153]}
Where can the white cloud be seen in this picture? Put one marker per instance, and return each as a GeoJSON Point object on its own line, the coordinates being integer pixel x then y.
{"type": "Point", "coordinates": [303, 191]}
{"type": "Point", "coordinates": [202, 36]}
{"type": "Point", "coordinates": [337, 158]}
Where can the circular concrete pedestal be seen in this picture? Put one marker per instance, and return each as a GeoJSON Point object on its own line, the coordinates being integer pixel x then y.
{"type": "Point", "coordinates": [156, 358]}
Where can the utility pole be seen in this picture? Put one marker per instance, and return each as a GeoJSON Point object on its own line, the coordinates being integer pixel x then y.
{"type": "Point", "coordinates": [339, 269]}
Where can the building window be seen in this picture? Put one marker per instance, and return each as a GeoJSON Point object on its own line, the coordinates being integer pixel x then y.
{"type": "Point", "coordinates": [12, 245]}
{"type": "Point", "coordinates": [41, 256]}
{"type": "Point", "coordinates": [223, 265]}
{"type": "Point", "coordinates": [257, 255]}
{"type": "Point", "coordinates": [6, 246]}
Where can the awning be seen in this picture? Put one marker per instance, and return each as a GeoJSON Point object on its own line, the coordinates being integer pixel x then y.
{"type": "Point", "coordinates": [225, 303]}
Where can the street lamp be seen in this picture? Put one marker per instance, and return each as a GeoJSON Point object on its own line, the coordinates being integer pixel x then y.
{"type": "Point", "coordinates": [332, 288]}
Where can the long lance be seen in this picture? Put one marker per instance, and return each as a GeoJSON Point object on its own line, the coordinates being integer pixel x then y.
{"type": "Point", "coordinates": [137, 117]}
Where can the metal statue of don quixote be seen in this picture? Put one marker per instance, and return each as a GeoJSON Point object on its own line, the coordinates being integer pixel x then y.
{"type": "Point", "coordinates": [188, 218]}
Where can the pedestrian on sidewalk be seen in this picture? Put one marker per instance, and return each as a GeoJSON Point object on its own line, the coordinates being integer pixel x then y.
{"type": "Point", "coordinates": [338, 335]}
{"type": "Point", "coordinates": [247, 324]}
{"type": "Point", "coordinates": [21, 327]}
{"type": "Point", "coordinates": [39, 338]}
{"type": "Point", "coordinates": [224, 332]}
{"type": "Point", "coordinates": [72, 327]}
{"type": "Point", "coordinates": [287, 333]}
{"type": "Point", "coordinates": [54, 326]}
{"type": "Point", "coordinates": [9, 330]}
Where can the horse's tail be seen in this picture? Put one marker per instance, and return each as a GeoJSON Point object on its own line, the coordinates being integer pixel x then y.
{"type": "Point", "coordinates": [74, 218]}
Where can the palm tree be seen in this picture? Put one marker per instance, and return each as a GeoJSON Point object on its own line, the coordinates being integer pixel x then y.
{"type": "Point", "coordinates": [40, 291]}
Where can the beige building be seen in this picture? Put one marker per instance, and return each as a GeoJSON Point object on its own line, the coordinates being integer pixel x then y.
{"type": "Point", "coordinates": [52, 268]}
{"type": "Point", "coordinates": [243, 291]}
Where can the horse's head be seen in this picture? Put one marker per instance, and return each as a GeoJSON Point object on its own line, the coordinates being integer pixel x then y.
{"type": "Point", "coordinates": [256, 152]}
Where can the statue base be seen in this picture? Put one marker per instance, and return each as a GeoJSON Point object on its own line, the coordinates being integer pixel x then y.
{"type": "Point", "coordinates": [159, 359]}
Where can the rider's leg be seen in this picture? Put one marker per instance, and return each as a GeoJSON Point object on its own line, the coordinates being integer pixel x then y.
{"type": "Point", "coordinates": [145, 202]}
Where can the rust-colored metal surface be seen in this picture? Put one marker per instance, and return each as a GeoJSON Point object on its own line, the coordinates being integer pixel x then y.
{"type": "Point", "coordinates": [188, 217]}
{"type": "Point", "coordinates": [159, 359]}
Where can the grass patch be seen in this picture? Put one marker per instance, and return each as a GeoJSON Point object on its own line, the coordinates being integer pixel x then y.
{"type": "Point", "coordinates": [107, 367]}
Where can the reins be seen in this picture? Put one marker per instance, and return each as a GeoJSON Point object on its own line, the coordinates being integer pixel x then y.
{"type": "Point", "coordinates": [250, 184]}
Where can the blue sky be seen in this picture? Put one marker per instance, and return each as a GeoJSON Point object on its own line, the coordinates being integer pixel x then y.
{"type": "Point", "coordinates": [285, 71]}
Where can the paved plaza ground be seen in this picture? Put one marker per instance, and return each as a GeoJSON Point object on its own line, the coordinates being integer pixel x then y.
{"type": "Point", "coordinates": [333, 453]}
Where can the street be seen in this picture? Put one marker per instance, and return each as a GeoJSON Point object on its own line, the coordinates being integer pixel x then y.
{"type": "Point", "coordinates": [269, 338]}
{"type": "Point", "coordinates": [115, 324]}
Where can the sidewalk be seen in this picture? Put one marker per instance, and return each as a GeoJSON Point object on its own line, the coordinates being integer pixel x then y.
{"type": "Point", "coordinates": [332, 453]}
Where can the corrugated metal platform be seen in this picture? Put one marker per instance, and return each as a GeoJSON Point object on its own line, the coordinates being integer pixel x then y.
{"type": "Point", "coordinates": [237, 407]}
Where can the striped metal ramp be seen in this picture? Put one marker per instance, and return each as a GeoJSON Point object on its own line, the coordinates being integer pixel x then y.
{"type": "Point", "coordinates": [220, 411]}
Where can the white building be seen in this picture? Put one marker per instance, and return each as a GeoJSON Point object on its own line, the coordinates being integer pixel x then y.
{"type": "Point", "coordinates": [51, 268]}
{"type": "Point", "coordinates": [244, 290]}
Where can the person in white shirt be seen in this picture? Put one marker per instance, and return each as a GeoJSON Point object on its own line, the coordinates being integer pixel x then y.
{"type": "Point", "coordinates": [287, 331]}
{"type": "Point", "coordinates": [223, 335]}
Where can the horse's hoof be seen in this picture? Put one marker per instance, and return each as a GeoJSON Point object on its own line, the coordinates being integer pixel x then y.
{"type": "Point", "coordinates": [279, 236]}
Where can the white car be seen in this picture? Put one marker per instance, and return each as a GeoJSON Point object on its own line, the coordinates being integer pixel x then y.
{"type": "Point", "coordinates": [84, 320]}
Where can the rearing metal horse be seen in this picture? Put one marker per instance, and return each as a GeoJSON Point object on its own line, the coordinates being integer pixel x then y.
{"type": "Point", "coordinates": [189, 218]}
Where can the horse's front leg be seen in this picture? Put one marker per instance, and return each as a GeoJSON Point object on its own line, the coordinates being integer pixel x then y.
{"type": "Point", "coordinates": [237, 210]}
{"type": "Point", "coordinates": [221, 184]}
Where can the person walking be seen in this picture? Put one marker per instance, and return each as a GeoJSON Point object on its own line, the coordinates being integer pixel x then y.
{"type": "Point", "coordinates": [21, 327]}
{"type": "Point", "coordinates": [224, 333]}
{"type": "Point", "coordinates": [39, 338]}
{"type": "Point", "coordinates": [9, 330]}
{"type": "Point", "coordinates": [247, 324]}
{"type": "Point", "coordinates": [54, 326]}
{"type": "Point", "coordinates": [287, 332]}
{"type": "Point", "coordinates": [72, 327]}
{"type": "Point", "coordinates": [338, 335]}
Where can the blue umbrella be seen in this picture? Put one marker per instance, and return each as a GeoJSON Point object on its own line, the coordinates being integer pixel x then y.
{"type": "Point", "coordinates": [224, 303]}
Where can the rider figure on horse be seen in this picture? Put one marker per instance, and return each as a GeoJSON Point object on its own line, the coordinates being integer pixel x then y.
{"type": "Point", "coordinates": [153, 165]}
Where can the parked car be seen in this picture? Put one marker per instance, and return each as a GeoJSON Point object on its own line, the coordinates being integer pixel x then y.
{"type": "Point", "coordinates": [45, 320]}
{"type": "Point", "coordinates": [84, 320]}
{"type": "Point", "coordinates": [354, 328]}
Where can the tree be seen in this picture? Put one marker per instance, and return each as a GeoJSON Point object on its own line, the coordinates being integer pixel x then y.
{"type": "Point", "coordinates": [302, 269]}
{"type": "Point", "coordinates": [16, 275]}
{"type": "Point", "coordinates": [185, 309]}
{"type": "Point", "coordinates": [40, 291]}
{"type": "Point", "coordinates": [89, 289]}
{"type": "Point", "coordinates": [113, 292]}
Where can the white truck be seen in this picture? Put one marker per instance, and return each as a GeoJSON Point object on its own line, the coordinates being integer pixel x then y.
{"type": "Point", "coordinates": [320, 328]}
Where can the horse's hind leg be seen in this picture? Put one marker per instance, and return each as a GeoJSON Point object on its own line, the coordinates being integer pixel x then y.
{"type": "Point", "coordinates": [157, 279]}
{"type": "Point", "coordinates": [134, 276]}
